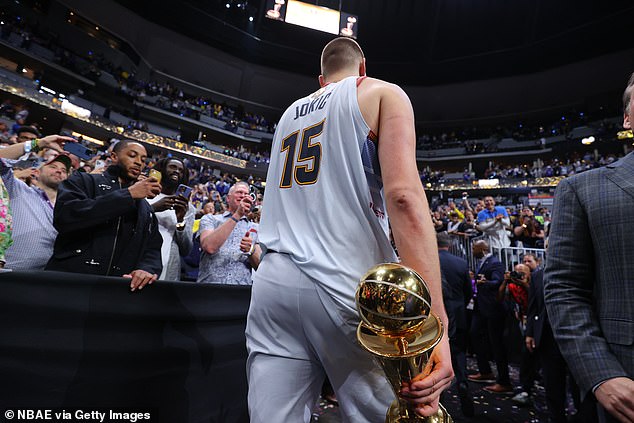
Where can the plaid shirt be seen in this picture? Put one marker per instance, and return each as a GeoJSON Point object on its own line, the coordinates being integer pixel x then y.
{"type": "Point", "coordinates": [33, 231]}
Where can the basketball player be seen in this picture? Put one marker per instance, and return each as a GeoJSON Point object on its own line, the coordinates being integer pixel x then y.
{"type": "Point", "coordinates": [339, 157]}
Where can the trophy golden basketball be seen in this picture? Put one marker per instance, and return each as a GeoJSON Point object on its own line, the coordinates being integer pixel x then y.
{"type": "Point", "coordinates": [399, 329]}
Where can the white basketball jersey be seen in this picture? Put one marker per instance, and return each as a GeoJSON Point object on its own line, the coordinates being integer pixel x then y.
{"type": "Point", "coordinates": [324, 204]}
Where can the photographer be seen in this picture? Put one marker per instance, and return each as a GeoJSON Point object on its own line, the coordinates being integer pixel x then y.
{"type": "Point", "coordinates": [514, 290]}
{"type": "Point", "coordinates": [528, 230]}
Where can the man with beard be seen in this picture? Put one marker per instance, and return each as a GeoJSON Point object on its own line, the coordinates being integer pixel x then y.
{"type": "Point", "coordinates": [105, 225]}
{"type": "Point", "coordinates": [32, 206]}
{"type": "Point", "coordinates": [175, 217]}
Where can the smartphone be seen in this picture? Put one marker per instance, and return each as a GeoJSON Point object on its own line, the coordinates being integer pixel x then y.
{"type": "Point", "coordinates": [78, 150]}
{"type": "Point", "coordinates": [184, 190]}
{"type": "Point", "coordinates": [254, 197]}
{"type": "Point", "coordinates": [153, 173]}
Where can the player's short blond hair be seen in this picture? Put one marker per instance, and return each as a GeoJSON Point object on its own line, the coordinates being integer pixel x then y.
{"type": "Point", "coordinates": [340, 54]}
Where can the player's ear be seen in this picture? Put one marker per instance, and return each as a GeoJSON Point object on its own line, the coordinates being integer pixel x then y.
{"type": "Point", "coordinates": [362, 68]}
{"type": "Point", "coordinates": [322, 81]}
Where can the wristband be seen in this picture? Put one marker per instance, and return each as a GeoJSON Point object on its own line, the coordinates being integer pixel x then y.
{"type": "Point", "coordinates": [234, 219]}
{"type": "Point", "coordinates": [34, 147]}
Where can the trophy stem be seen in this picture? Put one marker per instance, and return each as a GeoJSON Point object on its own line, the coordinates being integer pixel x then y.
{"type": "Point", "coordinates": [402, 359]}
{"type": "Point", "coordinates": [402, 345]}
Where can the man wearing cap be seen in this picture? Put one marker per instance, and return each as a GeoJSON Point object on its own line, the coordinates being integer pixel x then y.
{"type": "Point", "coordinates": [32, 206]}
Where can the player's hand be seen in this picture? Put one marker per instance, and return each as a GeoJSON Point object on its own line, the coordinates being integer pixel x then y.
{"type": "Point", "coordinates": [145, 188]}
{"type": "Point", "coordinates": [140, 278]}
{"type": "Point", "coordinates": [423, 392]}
{"type": "Point", "coordinates": [617, 397]}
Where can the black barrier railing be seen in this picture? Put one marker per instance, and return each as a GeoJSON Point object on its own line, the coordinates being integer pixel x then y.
{"type": "Point", "coordinates": [175, 350]}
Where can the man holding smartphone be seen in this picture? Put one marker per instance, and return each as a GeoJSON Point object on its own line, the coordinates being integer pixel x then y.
{"type": "Point", "coordinates": [175, 215]}
{"type": "Point", "coordinates": [228, 241]}
{"type": "Point", "coordinates": [105, 225]}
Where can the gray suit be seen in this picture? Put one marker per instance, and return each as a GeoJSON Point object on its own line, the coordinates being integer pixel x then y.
{"type": "Point", "coordinates": [589, 277]}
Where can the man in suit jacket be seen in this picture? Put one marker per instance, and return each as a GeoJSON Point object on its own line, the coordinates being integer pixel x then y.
{"type": "Point", "coordinates": [489, 318]}
{"type": "Point", "coordinates": [539, 339]}
{"type": "Point", "coordinates": [589, 280]}
{"type": "Point", "coordinates": [457, 292]}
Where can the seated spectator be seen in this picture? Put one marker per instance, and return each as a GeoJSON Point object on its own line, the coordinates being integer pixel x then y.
{"type": "Point", "coordinates": [32, 206]}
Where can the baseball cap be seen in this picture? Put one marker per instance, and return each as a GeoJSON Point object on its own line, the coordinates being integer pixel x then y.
{"type": "Point", "coordinates": [63, 158]}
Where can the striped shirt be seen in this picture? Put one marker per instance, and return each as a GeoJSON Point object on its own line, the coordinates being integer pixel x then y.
{"type": "Point", "coordinates": [33, 231]}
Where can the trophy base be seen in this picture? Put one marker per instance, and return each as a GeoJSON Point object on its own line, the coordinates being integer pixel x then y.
{"type": "Point", "coordinates": [396, 415]}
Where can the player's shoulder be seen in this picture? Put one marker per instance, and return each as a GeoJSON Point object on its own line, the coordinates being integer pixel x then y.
{"type": "Point", "coordinates": [379, 84]}
{"type": "Point", "coordinates": [378, 89]}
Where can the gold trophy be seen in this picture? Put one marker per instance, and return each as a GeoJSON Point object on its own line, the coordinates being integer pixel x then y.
{"type": "Point", "coordinates": [399, 329]}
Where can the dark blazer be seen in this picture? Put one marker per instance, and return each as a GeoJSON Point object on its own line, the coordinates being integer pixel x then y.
{"type": "Point", "coordinates": [486, 302]}
{"type": "Point", "coordinates": [88, 216]}
{"type": "Point", "coordinates": [456, 281]}
{"type": "Point", "coordinates": [589, 276]}
{"type": "Point", "coordinates": [536, 316]}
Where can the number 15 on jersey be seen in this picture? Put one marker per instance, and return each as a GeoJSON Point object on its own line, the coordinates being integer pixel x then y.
{"type": "Point", "coordinates": [305, 169]}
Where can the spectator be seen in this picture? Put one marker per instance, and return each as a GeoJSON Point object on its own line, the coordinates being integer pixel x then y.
{"type": "Point", "coordinates": [27, 133]}
{"type": "Point", "coordinates": [457, 292]}
{"type": "Point", "coordinates": [539, 340]}
{"type": "Point", "coordinates": [32, 206]}
{"type": "Point", "coordinates": [454, 223]}
{"type": "Point", "coordinates": [528, 230]}
{"type": "Point", "coordinates": [105, 225]}
{"type": "Point", "coordinates": [175, 217]}
{"type": "Point", "coordinates": [229, 252]}
{"type": "Point", "coordinates": [489, 320]}
{"type": "Point", "coordinates": [493, 221]}
{"type": "Point", "coordinates": [515, 290]}
{"type": "Point", "coordinates": [468, 225]}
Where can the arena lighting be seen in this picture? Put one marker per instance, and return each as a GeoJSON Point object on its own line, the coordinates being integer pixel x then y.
{"type": "Point", "coordinates": [250, 18]}
{"type": "Point", "coordinates": [227, 5]}
{"type": "Point", "coordinates": [588, 140]}
{"type": "Point", "coordinates": [74, 110]}
{"type": "Point", "coordinates": [48, 90]}
{"type": "Point", "coordinates": [624, 135]}
{"type": "Point", "coordinates": [488, 183]}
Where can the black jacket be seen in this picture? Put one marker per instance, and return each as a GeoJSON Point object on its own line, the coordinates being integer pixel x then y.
{"type": "Point", "coordinates": [486, 302]}
{"type": "Point", "coordinates": [536, 318]}
{"type": "Point", "coordinates": [88, 216]}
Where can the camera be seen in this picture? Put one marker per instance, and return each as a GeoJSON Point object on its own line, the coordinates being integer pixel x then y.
{"type": "Point", "coordinates": [517, 275]}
